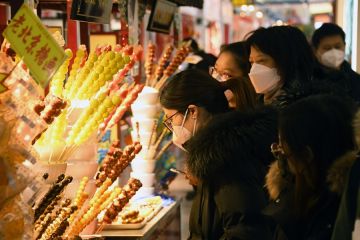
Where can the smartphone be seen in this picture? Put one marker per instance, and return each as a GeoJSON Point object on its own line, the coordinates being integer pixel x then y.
{"type": "Point", "coordinates": [177, 171]}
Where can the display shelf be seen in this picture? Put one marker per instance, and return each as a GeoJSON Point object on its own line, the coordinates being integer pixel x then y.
{"type": "Point", "coordinates": [166, 221]}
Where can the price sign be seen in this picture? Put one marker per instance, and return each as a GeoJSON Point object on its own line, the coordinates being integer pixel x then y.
{"type": "Point", "coordinates": [31, 40]}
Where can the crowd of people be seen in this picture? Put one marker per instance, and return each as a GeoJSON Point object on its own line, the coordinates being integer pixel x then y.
{"type": "Point", "coordinates": [271, 131]}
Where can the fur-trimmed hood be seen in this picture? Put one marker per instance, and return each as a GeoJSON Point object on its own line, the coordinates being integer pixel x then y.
{"type": "Point", "coordinates": [336, 177]}
{"type": "Point", "coordinates": [233, 144]}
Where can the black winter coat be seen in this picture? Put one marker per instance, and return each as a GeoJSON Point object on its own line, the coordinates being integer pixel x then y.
{"type": "Point", "coordinates": [316, 86]}
{"type": "Point", "coordinates": [345, 78]}
{"type": "Point", "coordinates": [349, 205]}
{"type": "Point", "coordinates": [230, 158]}
{"type": "Point", "coordinates": [320, 224]}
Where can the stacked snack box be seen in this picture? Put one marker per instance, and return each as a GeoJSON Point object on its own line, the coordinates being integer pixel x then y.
{"type": "Point", "coordinates": [145, 111]}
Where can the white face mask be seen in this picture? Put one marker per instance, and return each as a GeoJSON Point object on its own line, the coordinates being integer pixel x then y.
{"type": "Point", "coordinates": [263, 78]}
{"type": "Point", "coordinates": [181, 135]}
{"type": "Point", "coordinates": [333, 58]}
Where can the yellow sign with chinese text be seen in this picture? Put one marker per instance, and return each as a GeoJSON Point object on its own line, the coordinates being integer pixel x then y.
{"type": "Point", "coordinates": [30, 39]}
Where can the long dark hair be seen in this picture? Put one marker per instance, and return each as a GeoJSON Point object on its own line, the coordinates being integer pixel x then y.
{"type": "Point", "coordinates": [240, 53]}
{"type": "Point", "coordinates": [322, 124]}
{"type": "Point", "coordinates": [290, 50]}
{"type": "Point", "coordinates": [244, 93]}
{"type": "Point", "coordinates": [194, 87]}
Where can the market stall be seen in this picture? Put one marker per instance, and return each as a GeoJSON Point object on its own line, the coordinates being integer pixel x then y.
{"type": "Point", "coordinates": [58, 103]}
{"type": "Point", "coordinates": [165, 225]}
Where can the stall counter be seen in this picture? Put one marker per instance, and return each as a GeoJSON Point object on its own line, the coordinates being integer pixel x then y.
{"type": "Point", "coordinates": [165, 225]}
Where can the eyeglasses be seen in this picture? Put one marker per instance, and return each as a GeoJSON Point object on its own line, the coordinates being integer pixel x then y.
{"type": "Point", "coordinates": [168, 121]}
{"type": "Point", "coordinates": [218, 76]}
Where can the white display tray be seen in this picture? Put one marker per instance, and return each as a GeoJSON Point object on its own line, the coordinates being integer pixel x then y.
{"type": "Point", "coordinates": [153, 214]}
{"type": "Point", "coordinates": [125, 226]}
{"type": "Point", "coordinates": [133, 225]}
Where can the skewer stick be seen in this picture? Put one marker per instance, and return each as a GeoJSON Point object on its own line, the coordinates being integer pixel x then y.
{"type": "Point", "coordinates": [50, 156]}
{"type": "Point", "coordinates": [163, 149]}
{"type": "Point", "coordinates": [100, 228]}
{"type": "Point", "coordinates": [152, 81]}
{"type": "Point", "coordinates": [137, 131]}
{"type": "Point", "coordinates": [160, 139]}
{"type": "Point", "coordinates": [153, 139]}
{"type": "Point", "coordinates": [62, 153]}
{"type": "Point", "coordinates": [69, 111]}
{"type": "Point", "coordinates": [73, 149]}
{"type": "Point", "coordinates": [162, 81]}
{"type": "Point", "coordinates": [152, 133]}
{"type": "Point", "coordinates": [165, 56]}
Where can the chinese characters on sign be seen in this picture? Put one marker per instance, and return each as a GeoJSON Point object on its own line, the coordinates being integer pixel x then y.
{"type": "Point", "coordinates": [30, 39]}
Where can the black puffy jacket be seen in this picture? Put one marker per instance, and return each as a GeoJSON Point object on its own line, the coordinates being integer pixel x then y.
{"type": "Point", "coordinates": [345, 78]}
{"type": "Point", "coordinates": [230, 158]}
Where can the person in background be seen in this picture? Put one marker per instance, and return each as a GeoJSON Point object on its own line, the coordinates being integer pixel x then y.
{"type": "Point", "coordinates": [199, 59]}
{"type": "Point", "coordinates": [282, 61]}
{"type": "Point", "coordinates": [233, 61]}
{"type": "Point", "coordinates": [314, 155]}
{"type": "Point", "coordinates": [328, 43]}
{"type": "Point", "coordinates": [348, 218]}
{"type": "Point", "coordinates": [228, 156]}
{"type": "Point", "coordinates": [231, 66]}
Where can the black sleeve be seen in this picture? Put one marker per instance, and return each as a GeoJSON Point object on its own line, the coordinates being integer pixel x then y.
{"type": "Point", "coordinates": [239, 209]}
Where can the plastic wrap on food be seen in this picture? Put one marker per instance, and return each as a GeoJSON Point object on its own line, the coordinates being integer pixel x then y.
{"type": "Point", "coordinates": [6, 64]}
{"type": "Point", "coordinates": [11, 184]}
{"type": "Point", "coordinates": [26, 124]}
{"type": "Point", "coordinates": [16, 220]}
{"type": "Point", "coordinates": [35, 182]}
{"type": "Point", "coordinates": [22, 85]}
{"type": "Point", "coordinates": [14, 176]}
{"type": "Point", "coordinates": [16, 215]}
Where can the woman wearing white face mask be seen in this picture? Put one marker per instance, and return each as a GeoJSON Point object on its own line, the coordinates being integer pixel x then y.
{"type": "Point", "coordinates": [281, 59]}
{"type": "Point", "coordinates": [190, 100]}
{"type": "Point", "coordinates": [228, 154]}
{"type": "Point", "coordinates": [181, 132]}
